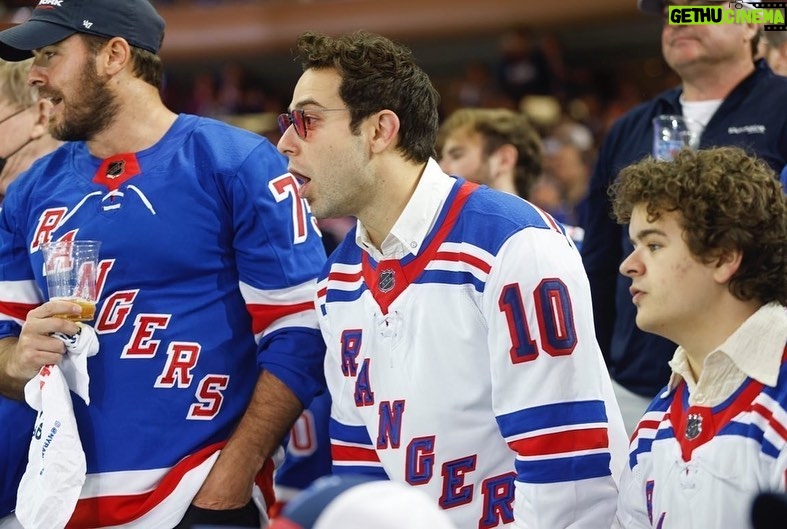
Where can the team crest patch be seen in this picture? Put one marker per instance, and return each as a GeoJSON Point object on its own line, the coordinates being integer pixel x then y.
{"type": "Point", "coordinates": [693, 426]}
{"type": "Point", "coordinates": [116, 169]}
{"type": "Point", "coordinates": [386, 281]}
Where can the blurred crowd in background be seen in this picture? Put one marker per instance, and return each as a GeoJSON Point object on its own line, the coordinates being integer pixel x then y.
{"type": "Point", "coordinates": [571, 104]}
{"type": "Point", "coordinates": [571, 107]}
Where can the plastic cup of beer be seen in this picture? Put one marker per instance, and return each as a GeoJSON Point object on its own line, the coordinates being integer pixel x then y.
{"type": "Point", "coordinates": [671, 133]}
{"type": "Point", "coordinates": [71, 268]}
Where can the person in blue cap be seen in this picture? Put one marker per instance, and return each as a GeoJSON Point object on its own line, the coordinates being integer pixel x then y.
{"type": "Point", "coordinates": [208, 340]}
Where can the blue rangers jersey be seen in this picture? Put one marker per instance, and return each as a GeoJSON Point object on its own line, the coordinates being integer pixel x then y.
{"type": "Point", "coordinates": [207, 274]}
{"type": "Point", "coordinates": [470, 369]}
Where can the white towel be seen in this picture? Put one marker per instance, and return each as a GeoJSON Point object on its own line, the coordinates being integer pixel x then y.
{"type": "Point", "coordinates": [56, 467]}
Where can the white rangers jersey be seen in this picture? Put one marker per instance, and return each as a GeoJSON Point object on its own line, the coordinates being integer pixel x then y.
{"type": "Point", "coordinates": [700, 467]}
{"type": "Point", "coordinates": [471, 369]}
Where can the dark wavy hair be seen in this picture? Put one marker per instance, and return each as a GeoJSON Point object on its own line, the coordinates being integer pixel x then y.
{"type": "Point", "coordinates": [379, 74]}
{"type": "Point", "coordinates": [728, 200]}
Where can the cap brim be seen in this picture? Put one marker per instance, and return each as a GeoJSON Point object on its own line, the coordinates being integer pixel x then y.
{"type": "Point", "coordinates": [17, 43]}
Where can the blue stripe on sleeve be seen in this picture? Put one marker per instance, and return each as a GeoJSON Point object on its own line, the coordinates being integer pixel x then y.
{"type": "Point", "coordinates": [643, 446]}
{"type": "Point", "coordinates": [552, 416]}
{"type": "Point", "coordinates": [349, 434]}
{"type": "Point", "coordinates": [334, 295]}
{"type": "Point", "coordinates": [751, 431]}
{"type": "Point", "coordinates": [449, 277]}
{"type": "Point", "coordinates": [563, 469]}
{"type": "Point", "coordinates": [359, 469]}
{"type": "Point", "coordinates": [9, 328]}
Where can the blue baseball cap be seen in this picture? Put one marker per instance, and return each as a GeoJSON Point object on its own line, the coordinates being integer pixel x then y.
{"type": "Point", "coordinates": [54, 20]}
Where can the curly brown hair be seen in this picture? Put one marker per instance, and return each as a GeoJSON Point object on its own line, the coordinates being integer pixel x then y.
{"type": "Point", "coordinates": [498, 127]}
{"type": "Point", "coordinates": [379, 74]}
{"type": "Point", "coordinates": [728, 200]}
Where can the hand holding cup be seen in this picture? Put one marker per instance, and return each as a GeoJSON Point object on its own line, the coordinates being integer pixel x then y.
{"type": "Point", "coordinates": [71, 268]}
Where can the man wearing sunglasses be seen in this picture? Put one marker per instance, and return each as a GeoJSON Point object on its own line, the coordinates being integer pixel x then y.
{"type": "Point", "coordinates": [735, 100]}
{"type": "Point", "coordinates": [460, 351]}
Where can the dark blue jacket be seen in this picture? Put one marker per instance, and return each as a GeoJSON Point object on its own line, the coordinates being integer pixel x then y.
{"type": "Point", "coordinates": [754, 117]}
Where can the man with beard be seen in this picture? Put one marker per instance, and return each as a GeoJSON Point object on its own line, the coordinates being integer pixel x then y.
{"type": "Point", "coordinates": [734, 100]}
{"type": "Point", "coordinates": [206, 328]}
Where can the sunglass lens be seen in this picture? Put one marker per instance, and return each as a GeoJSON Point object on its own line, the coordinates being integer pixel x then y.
{"type": "Point", "coordinates": [299, 122]}
{"type": "Point", "coordinates": [284, 122]}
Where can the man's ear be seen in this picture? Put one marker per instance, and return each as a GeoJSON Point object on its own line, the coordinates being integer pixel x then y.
{"type": "Point", "coordinates": [115, 56]}
{"type": "Point", "coordinates": [42, 107]}
{"type": "Point", "coordinates": [753, 30]}
{"type": "Point", "coordinates": [384, 130]}
{"type": "Point", "coordinates": [727, 264]}
{"type": "Point", "coordinates": [507, 156]}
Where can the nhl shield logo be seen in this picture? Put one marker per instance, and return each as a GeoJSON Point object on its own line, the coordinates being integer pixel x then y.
{"type": "Point", "coordinates": [116, 169]}
{"type": "Point", "coordinates": [386, 281]}
{"type": "Point", "coordinates": [693, 426]}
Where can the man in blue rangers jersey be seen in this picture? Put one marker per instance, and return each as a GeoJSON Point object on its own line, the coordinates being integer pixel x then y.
{"type": "Point", "coordinates": [708, 272]}
{"type": "Point", "coordinates": [460, 350]}
{"type": "Point", "coordinates": [209, 343]}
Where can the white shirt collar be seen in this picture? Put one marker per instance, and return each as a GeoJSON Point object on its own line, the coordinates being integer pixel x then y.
{"type": "Point", "coordinates": [755, 350]}
{"type": "Point", "coordinates": [419, 216]}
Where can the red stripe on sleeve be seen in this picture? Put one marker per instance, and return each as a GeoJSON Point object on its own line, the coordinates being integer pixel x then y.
{"type": "Point", "coordinates": [646, 425]}
{"type": "Point", "coordinates": [466, 258]}
{"type": "Point", "coordinates": [768, 414]}
{"type": "Point", "coordinates": [353, 453]}
{"type": "Point", "coordinates": [264, 315]}
{"type": "Point", "coordinates": [16, 310]}
{"type": "Point", "coordinates": [345, 277]}
{"type": "Point", "coordinates": [562, 442]}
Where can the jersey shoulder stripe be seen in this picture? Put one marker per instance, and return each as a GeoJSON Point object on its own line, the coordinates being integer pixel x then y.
{"type": "Point", "coordinates": [754, 412]}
